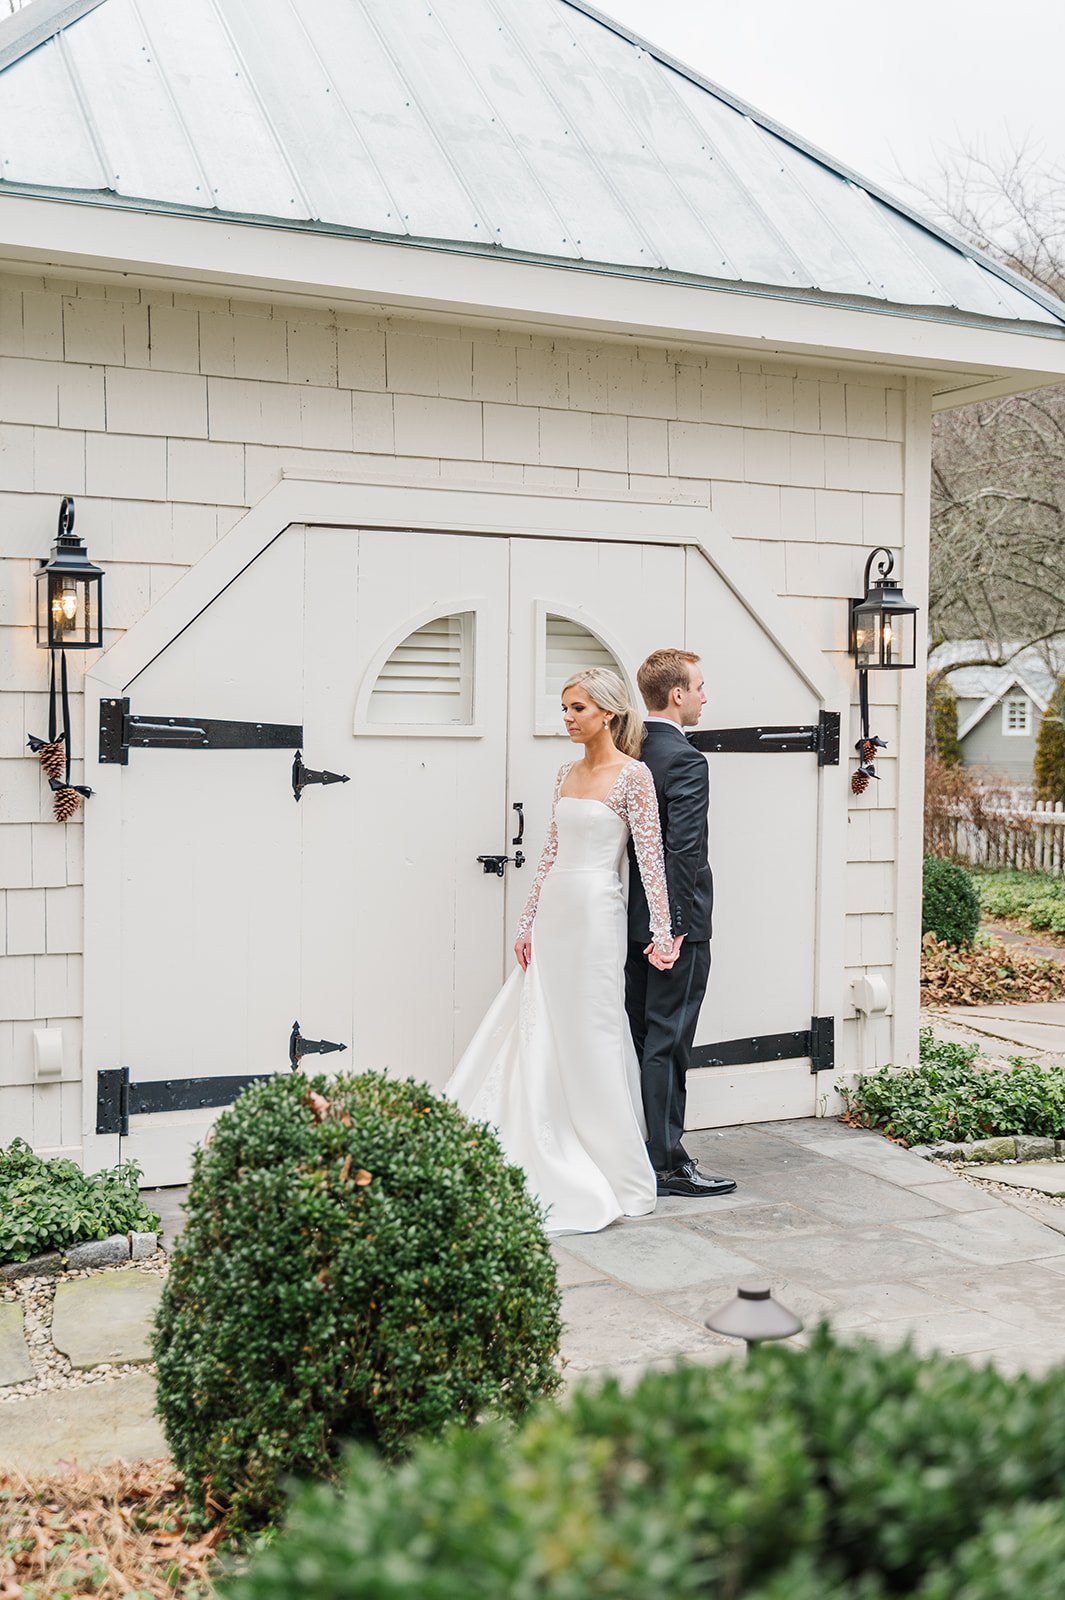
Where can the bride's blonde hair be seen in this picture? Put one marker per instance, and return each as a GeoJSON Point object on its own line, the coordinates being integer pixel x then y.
{"type": "Point", "coordinates": [606, 689]}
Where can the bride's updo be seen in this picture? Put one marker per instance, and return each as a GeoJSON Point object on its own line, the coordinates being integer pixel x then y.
{"type": "Point", "coordinates": [606, 689]}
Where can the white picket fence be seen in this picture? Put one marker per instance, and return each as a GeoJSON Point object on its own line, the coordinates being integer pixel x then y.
{"type": "Point", "coordinates": [1029, 836]}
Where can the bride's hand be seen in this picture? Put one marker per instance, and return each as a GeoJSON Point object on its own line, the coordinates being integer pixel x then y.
{"type": "Point", "coordinates": [523, 951]}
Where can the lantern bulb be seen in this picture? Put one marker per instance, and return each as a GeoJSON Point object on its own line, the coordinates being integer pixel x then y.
{"type": "Point", "coordinates": [70, 606]}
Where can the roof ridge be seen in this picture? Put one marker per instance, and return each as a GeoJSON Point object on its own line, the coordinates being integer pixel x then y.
{"type": "Point", "coordinates": [1015, 280]}
{"type": "Point", "coordinates": [36, 23]}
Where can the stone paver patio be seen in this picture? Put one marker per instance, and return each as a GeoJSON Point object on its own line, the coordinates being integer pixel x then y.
{"type": "Point", "coordinates": [843, 1224]}
{"type": "Point", "coordinates": [106, 1318]}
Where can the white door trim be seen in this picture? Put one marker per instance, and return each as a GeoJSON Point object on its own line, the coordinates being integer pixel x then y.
{"type": "Point", "coordinates": [423, 508]}
{"type": "Point", "coordinates": [329, 500]}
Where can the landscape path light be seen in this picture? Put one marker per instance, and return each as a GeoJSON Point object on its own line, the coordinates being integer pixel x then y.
{"type": "Point", "coordinates": [754, 1316]}
{"type": "Point", "coordinates": [883, 638]}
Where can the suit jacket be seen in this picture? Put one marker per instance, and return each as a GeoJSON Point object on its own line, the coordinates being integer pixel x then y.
{"type": "Point", "coordinates": [682, 783]}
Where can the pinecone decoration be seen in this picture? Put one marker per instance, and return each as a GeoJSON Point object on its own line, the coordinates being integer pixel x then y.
{"type": "Point", "coordinates": [868, 750]}
{"type": "Point", "coordinates": [51, 754]}
{"type": "Point", "coordinates": [859, 781]}
{"type": "Point", "coordinates": [66, 801]}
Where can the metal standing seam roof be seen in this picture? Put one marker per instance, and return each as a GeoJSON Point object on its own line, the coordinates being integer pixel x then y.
{"type": "Point", "coordinates": [530, 129]}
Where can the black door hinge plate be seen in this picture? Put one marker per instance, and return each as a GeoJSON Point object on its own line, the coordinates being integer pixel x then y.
{"type": "Point", "coordinates": [117, 1099]}
{"type": "Point", "coordinates": [120, 732]}
{"type": "Point", "coordinates": [820, 739]}
{"type": "Point", "coordinates": [817, 1041]}
{"type": "Point", "coordinates": [298, 1047]}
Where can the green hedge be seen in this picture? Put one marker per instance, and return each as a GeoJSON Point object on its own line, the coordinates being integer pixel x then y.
{"type": "Point", "coordinates": [947, 1098]}
{"type": "Point", "coordinates": [359, 1262]}
{"type": "Point", "coordinates": [950, 907]}
{"type": "Point", "coordinates": [52, 1204]}
{"type": "Point", "coordinates": [836, 1473]}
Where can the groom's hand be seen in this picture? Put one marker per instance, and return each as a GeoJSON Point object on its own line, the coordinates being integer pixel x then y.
{"type": "Point", "coordinates": [662, 962]}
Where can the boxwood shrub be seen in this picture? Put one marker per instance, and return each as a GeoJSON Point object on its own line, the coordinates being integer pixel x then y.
{"type": "Point", "coordinates": [950, 905]}
{"type": "Point", "coordinates": [359, 1262]}
{"type": "Point", "coordinates": [835, 1473]}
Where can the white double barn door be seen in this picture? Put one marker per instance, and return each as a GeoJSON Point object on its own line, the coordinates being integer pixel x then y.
{"type": "Point", "coordinates": [426, 668]}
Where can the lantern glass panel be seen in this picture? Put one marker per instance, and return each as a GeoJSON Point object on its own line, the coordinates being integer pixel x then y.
{"type": "Point", "coordinates": [898, 639]}
{"type": "Point", "coordinates": [884, 637]}
{"type": "Point", "coordinates": [68, 610]}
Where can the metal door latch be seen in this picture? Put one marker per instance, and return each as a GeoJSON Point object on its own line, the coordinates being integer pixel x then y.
{"type": "Point", "coordinates": [299, 1047]}
{"type": "Point", "coordinates": [498, 864]}
{"type": "Point", "coordinates": [302, 776]}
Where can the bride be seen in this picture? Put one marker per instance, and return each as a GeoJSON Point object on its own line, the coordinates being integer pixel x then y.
{"type": "Point", "coordinates": [553, 1066]}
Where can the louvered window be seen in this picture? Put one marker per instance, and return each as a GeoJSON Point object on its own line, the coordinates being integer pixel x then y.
{"type": "Point", "coordinates": [569, 647]}
{"type": "Point", "coordinates": [427, 681]}
{"type": "Point", "coordinates": [1017, 715]}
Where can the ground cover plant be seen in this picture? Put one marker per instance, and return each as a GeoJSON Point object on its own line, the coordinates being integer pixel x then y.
{"type": "Point", "coordinates": [50, 1205]}
{"type": "Point", "coordinates": [947, 1097]}
{"type": "Point", "coordinates": [985, 973]}
{"type": "Point", "coordinates": [359, 1262]}
{"type": "Point", "coordinates": [839, 1471]}
{"type": "Point", "coordinates": [1031, 900]}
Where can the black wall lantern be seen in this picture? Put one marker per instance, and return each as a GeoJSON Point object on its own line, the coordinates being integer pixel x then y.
{"type": "Point", "coordinates": [69, 590]}
{"type": "Point", "coordinates": [883, 633]}
{"type": "Point", "coordinates": [69, 617]}
{"type": "Point", "coordinates": [883, 638]}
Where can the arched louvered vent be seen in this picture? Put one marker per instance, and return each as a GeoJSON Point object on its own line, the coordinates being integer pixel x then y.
{"type": "Point", "coordinates": [427, 681]}
{"type": "Point", "coordinates": [572, 648]}
{"type": "Point", "coordinates": [569, 648]}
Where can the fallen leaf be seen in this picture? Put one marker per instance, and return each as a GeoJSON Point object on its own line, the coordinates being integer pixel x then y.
{"type": "Point", "coordinates": [316, 1103]}
{"type": "Point", "coordinates": [362, 1177]}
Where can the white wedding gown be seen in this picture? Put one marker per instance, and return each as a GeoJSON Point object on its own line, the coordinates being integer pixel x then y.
{"type": "Point", "coordinates": [552, 1066]}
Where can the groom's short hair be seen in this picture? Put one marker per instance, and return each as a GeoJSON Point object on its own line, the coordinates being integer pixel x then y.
{"type": "Point", "coordinates": [663, 671]}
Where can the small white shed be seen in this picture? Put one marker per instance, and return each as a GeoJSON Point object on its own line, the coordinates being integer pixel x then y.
{"type": "Point", "coordinates": [400, 357]}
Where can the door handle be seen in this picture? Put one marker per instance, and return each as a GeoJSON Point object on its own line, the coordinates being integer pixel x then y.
{"type": "Point", "coordinates": [498, 864]}
{"type": "Point", "coordinates": [519, 807]}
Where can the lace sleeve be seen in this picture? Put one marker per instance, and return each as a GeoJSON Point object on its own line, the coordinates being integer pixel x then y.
{"type": "Point", "coordinates": [547, 861]}
{"type": "Point", "coordinates": [641, 814]}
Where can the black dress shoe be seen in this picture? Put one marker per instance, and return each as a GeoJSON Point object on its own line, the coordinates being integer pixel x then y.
{"type": "Point", "coordinates": [690, 1181]}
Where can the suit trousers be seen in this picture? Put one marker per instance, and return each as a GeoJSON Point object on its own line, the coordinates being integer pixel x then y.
{"type": "Point", "coordinates": [663, 1009]}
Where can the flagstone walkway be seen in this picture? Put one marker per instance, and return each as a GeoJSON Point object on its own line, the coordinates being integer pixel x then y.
{"type": "Point", "coordinates": [842, 1224]}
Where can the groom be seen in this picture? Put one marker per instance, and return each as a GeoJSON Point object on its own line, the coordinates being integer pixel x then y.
{"type": "Point", "coordinates": [663, 1000]}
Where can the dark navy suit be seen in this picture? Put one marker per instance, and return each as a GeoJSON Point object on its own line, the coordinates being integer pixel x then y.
{"type": "Point", "coordinates": [663, 1007]}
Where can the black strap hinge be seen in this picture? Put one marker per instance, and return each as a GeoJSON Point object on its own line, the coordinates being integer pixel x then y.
{"type": "Point", "coordinates": [817, 1041]}
{"type": "Point", "coordinates": [120, 732]}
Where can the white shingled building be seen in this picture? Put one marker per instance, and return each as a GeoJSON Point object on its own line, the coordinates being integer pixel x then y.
{"type": "Point", "coordinates": [398, 358]}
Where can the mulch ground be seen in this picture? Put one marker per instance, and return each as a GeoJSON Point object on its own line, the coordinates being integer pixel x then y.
{"type": "Point", "coordinates": [987, 974]}
{"type": "Point", "coordinates": [117, 1533]}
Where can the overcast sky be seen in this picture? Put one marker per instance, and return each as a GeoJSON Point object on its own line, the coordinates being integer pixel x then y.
{"type": "Point", "coordinates": [879, 86]}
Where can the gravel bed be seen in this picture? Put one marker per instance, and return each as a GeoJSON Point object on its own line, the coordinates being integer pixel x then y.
{"type": "Point", "coordinates": [1025, 1199]}
{"type": "Point", "coordinates": [51, 1369]}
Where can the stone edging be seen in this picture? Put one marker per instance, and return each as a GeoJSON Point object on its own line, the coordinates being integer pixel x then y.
{"type": "Point", "coordinates": [1012, 1147]}
{"type": "Point", "coordinates": [107, 1252]}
